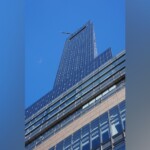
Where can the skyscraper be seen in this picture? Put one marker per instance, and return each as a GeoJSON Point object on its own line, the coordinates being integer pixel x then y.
{"type": "Point", "coordinates": [86, 108]}
{"type": "Point", "coordinates": [79, 58]}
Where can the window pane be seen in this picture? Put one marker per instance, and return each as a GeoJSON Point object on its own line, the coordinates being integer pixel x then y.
{"type": "Point", "coordinates": [95, 124]}
{"type": "Point", "coordinates": [67, 142]}
{"type": "Point", "coordinates": [76, 145]}
{"type": "Point", "coordinates": [85, 130]}
{"type": "Point", "coordinates": [95, 137]}
{"type": "Point", "coordinates": [77, 135]}
{"type": "Point", "coordinates": [104, 128]}
{"type": "Point", "coordinates": [115, 121]}
{"type": "Point", "coordinates": [59, 146]}
{"type": "Point", "coordinates": [123, 113]}
{"type": "Point", "coordinates": [86, 142]}
{"type": "Point", "coordinates": [120, 147]}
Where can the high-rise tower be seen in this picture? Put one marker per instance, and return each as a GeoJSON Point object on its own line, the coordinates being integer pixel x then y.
{"type": "Point", "coordinates": [85, 110]}
{"type": "Point", "coordinates": [79, 58]}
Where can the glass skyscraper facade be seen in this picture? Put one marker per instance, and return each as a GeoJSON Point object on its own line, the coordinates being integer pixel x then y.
{"type": "Point", "coordinates": [85, 110]}
{"type": "Point", "coordinates": [79, 58]}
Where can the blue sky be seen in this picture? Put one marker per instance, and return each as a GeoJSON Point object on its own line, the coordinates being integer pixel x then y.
{"type": "Point", "coordinates": [46, 19]}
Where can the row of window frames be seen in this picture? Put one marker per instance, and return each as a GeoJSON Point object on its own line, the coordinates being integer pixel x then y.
{"type": "Point", "coordinates": [70, 82]}
{"type": "Point", "coordinates": [69, 73]}
{"type": "Point", "coordinates": [92, 67]}
{"type": "Point", "coordinates": [66, 121]}
{"type": "Point", "coordinates": [85, 84]}
{"type": "Point", "coordinates": [52, 131]}
{"type": "Point", "coordinates": [121, 57]}
{"type": "Point", "coordinates": [94, 133]}
{"type": "Point", "coordinates": [81, 72]}
{"type": "Point", "coordinates": [65, 59]}
{"type": "Point", "coordinates": [87, 89]}
{"type": "Point", "coordinates": [104, 128]}
{"type": "Point", "coordinates": [95, 143]}
{"type": "Point", "coordinates": [56, 105]}
{"type": "Point", "coordinates": [56, 111]}
{"type": "Point", "coordinates": [120, 106]}
{"type": "Point", "coordinates": [98, 97]}
{"type": "Point", "coordinates": [41, 114]}
{"type": "Point", "coordinates": [102, 96]}
{"type": "Point", "coordinates": [75, 77]}
{"type": "Point", "coordinates": [116, 60]}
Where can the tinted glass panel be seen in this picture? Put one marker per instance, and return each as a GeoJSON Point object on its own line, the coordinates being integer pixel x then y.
{"type": "Point", "coordinates": [95, 138]}
{"type": "Point", "coordinates": [104, 128]}
{"type": "Point", "coordinates": [120, 147]}
{"type": "Point", "coordinates": [85, 130]}
{"type": "Point", "coordinates": [76, 145]}
{"type": "Point", "coordinates": [122, 113]}
{"type": "Point", "coordinates": [59, 146]}
{"type": "Point", "coordinates": [95, 124]}
{"type": "Point", "coordinates": [116, 126]}
{"type": "Point", "coordinates": [86, 142]}
{"type": "Point", "coordinates": [77, 135]}
{"type": "Point", "coordinates": [67, 142]}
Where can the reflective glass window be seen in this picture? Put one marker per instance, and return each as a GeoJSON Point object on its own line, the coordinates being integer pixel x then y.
{"type": "Point", "coordinates": [120, 147]}
{"type": "Point", "coordinates": [86, 137]}
{"type": "Point", "coordinates": [76, 140]}
{"type": "Point", "coordinates": [85, 130]}
{"type": "Point", "coordinates": [59, 146]}
{"type": "Point", "coordinates": [67, 143]}
{"type": "Point", "coordinates": [76, 145]}
{"type": "Point", "coordinates": [87, 89]}
{"type": "Point", "coordinates": [86, 142]}
{"type": "Point", "coordinates": [94, 124]}
{"type": "Point", "coordinates": [70, 100]}
{"type": "Point", "coordinates": [77, 136]}
{"type": "Point", "coordinates": [55, 105]}
{"type": "Point", "coordinates": [71, 94]}
{"type": "Point", "coordinates": [96, 83]}
{"type": "Point", "coordinates": [52, 113]}
{"type": "Point", "coordinates": [95, 134]}
{"type": "Point", "coordinates": [120, 59]}
{"type": "Point", "coordinates": [89, 81]}
{"type": "Point", "coordinates": [123, 113]}
{"type": "Point", "coordinates": [104, 128]}
{"type": "Point", "coordinates": [120, 66]}
{"type": "Point", "coordinates": [115, 121]}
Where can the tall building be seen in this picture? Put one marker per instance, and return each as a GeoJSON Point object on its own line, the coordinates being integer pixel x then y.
{"type": "Point", "coordinates": [79, 58]}
{"type": "Point", "coordinates": [85, 110]}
